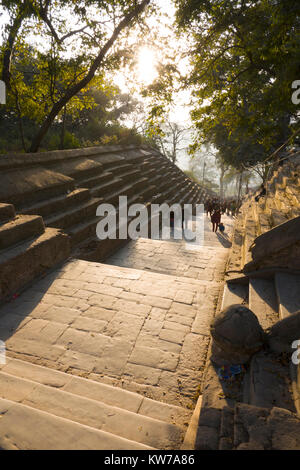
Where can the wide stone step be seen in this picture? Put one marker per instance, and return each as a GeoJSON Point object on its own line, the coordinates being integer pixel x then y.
{"type": "Point", "coordinates": [131, 175]}
{"type": "Point", "coordinates": [78, 168]}
{"type": "Point", "coordinates": [90, 247]}
{"type": "Point", "coordinates": [151, 173]}
{"type": "Point", "coordinates": [148, 192]}
{"type": "Point", "coordinates": [226, 428]}
{"type": "Point", "coordinates": [71, 217]}
{"type": "Point", "coordinates": [181, 197]}
{"type": "Point", "coordinates": [96, 180]}
{"type": "Point", "coordinates": [263, 223]}
{"type": "Point", "coordinates": [234, 293]}
{"type": "Point", "coordinates": [196, 198]}
{"type": "Point", "coordinates": [184, 194]}
{"type": "Point", "coordinates": [250, 233]}
{"type": "Point", "coordinates": [288, 293]}
{"type": "Point", "coordinates": [20, 264]}
{"type": "Point", "coordinates": [137, 185]}
{"type": "Point", "coordinates": [157, 178]}
{"type": "Point", "coordinates": [263, 301]}
{"type": "Point", "coordinates": [191, 195]}
{"type": "Point", "coordinates": [20, 228]}
{"type": "Point", "coordinates": [119, 169]}
{"type": "Point", "coordinates": [133, 156]}
{"type": "Point", "coordinates": [7, 212]}
{"type": "Point", "coordinates": [113, 396]}
{"type": "Point", "coordinates": [24, 428]}
{"type": "Point", "coordinates": [258, 428]}
{"type": "Point", "coordinates": [169, 195]}
{"type": "Point", "coordinates": [58, 204]}
{"type": "Point", "coordinates": [293, 193]}
{"type": "Point", "coordinates": [90, 412]}
{"type": "Point", "coordinates": [24, 186]}
{"type": "Point", "coordinates": [277, 218]}
{"type": "Point", "coordinates": [82, 231]}
{"type": "Point", "coordinates": [104, 189]}
{"type": "Point", "coordinates": [268, 382]}
{"type": "Point", "coordinates": [109, 160]}
{"type": "Point", "coordinates": [86, 231]}
{"type": "Point", "coordinates": [130, 191]}
{"type": "Point", "coordinates": [191, 437]}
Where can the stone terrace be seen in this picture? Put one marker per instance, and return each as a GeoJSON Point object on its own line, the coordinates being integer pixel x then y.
{"type": "Point", "coordinates": [147, 332]}
{"type": "Point", "coordinates": [102, 353]}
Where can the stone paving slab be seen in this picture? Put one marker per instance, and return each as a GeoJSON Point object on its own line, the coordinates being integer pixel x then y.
{"type": "Point", "coordinates": [152, 344]}
{"type": "Point", "coordinates": [144, 331]}
{"type": "Point", "coordinates": [175, 257]}
{"type": "Point", "coordinates": [48, 432]}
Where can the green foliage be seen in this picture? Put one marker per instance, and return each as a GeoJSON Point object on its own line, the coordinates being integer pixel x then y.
{"type": "Point", "coordinates": [244, 57]}
{"type": "Point", "coordinates": [75, 45]}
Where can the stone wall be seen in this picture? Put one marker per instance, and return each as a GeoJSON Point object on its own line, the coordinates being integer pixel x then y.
{"type": "Point", "coordinates": [61, 191]}
{"type": "Point", "coordinates": [267, 231]}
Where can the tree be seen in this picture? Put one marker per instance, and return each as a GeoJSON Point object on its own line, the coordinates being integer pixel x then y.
{"type": "Point", "coordinates": [172, 139]}
{"type": "Point", "coordinates": [244, 57]}
{"type": "Point", "coordinates": [202, 167]}
{"type": "Point", "coordinates": [102, 45]}
{"type": "Point", "coordinates": [93, 117]}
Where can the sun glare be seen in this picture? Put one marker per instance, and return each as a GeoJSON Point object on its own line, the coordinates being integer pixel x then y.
{"type": "Point", "coordinates": [146, 70]}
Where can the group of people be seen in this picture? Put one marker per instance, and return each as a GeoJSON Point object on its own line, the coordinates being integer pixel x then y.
{"type": "Point", "coordinates": [215, 208]}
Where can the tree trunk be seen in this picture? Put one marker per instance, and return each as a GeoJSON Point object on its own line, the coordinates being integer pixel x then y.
{"type": "Point", "coordinates": [222, 181]}
{"type": "Point", "coordinates": [63, 129]}
{"type": "Point", "coordinates": [239, 190]}
{"type": "Point", "coordinates": [21, 128]}
{"type": "Point", "coordinates": [8, 49]}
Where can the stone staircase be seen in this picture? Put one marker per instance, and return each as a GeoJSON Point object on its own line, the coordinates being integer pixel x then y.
{"type": "Point", "coordinates": [64, 188]}
{"type": "Point", "coordinates": [69, 412]}
{"type": "Point", "coordinates": [247, 427]}
{"type": "Point", "coordinates": [281, 205]}
{"type": "Point", "coordinates": [27, 249]}
{"type": "Point", "coordinates": [259, 409]}
{"type": "Point", "coordinates": [48, 216]}
{"type": "Point", "coordinates": [105, 357]}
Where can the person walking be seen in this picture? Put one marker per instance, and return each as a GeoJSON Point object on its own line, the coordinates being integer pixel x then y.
{"type": "Point", "coordinates": [215, 219]}
{"type": "Point", "coordinates": [208, 205]}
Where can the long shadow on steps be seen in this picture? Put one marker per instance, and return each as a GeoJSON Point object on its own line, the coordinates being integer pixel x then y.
{"type": "Point", "coordinates": [223, 239]}
{"type": "Point", "coordinates": [14, 314]}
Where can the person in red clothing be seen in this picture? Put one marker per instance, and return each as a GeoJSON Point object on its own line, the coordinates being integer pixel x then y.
{"type": "Point", "coordinates": [215, 219]}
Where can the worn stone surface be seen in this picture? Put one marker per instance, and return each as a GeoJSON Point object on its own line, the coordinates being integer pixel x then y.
{"type": "Point", "coordinates": [123, 328]}
{"type": "Point", "coordinates": [237, 334]}
{"type": "Point", "coordinates": [49, 432]}
{"type": "Point", "coordinates": [259, 428]}
{"type": "Point", "coordinates": [282, 334]}
{"type": "Point", "coordinates": [263, 301]}
{"type": "Point", "coordinates": [147, 332]}
{"type": "Point", "coordinates": [157, 351]}
{"type": "Point", "coordinates": [287, 288]}
{"type": "Point", "coordinates": [269, 381]}
{"type": "Point", "coordinates": [177, 258]}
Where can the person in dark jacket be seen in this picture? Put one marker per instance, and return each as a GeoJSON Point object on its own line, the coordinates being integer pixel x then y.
{"type": "Point", "coordinates": [215, 219]}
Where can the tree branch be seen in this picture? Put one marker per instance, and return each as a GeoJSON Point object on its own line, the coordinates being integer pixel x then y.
{"type": "Point", "coordinates": [89, 76]}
